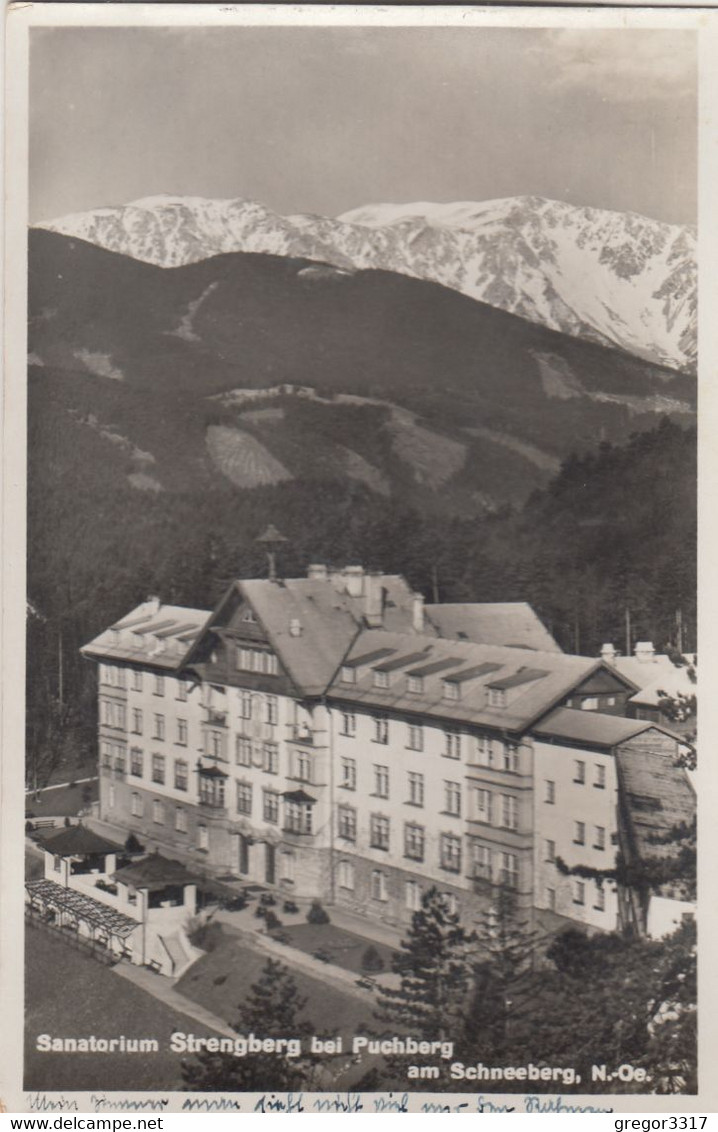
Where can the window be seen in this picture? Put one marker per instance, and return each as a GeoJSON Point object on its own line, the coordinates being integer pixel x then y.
{"type": "Point", "coordinates": [113, 714]}
{"type": "Point", "coordinates": [415, 685]}
{"type": "Point", "coordinates": [510, 757]}
{"type": "Point", "coordinates": [298, 817]}
{"type": "Point", "coordinates": [347, 822]}
{"type": "Point", "coordinates": [412, 895]}
{"type": "Point", "coordinates": [182, 690]}
{"type": "Point", "coordinates": [416, 789]}
{"type": "Point", "coordinates": [158, 812]}
{"type": "Point", "coordinates": [158, 769]}
{"type": "Point", "coordinates": [451, 690]}
{"type": "Point", "coordinates": [111, 796]}
{"type": "Point", "coordinates": [509, 811]}
{"type": "Point", "coordinates": [551, 898]}
{"type": "Point", "coordinates": [599, 841]}
{"type": "Point", "coordinates": [57, 863]}
{"type": "Point", "coordinates": [303, 766]}
{"type": "Point", "coordinates": [202, 838]}
{"type": "Point", "coordinates": [136, 761]}
{"type": "Point", "coordinates": [378, 885]}
{"type": "Point", "coordinates": [348, 675]}
{"type": "Point", "coordinates": [452, 740]}
{"type": "Point", "coordinates": [137, 721]}
{"type": "Point", "coordinates": [244, 798]}
{"type": "Point", "coordinates": [271, 709]}
{"type": "Point", "coordinates": [379, 831]}
{"type": "Point", "coordinates": [579, 773]}
{"type": "Point", "coordinates": [257, 660]}
{"type": "Point", "coordinates": [180, 774]}
{"type": "Point", "coordinates": [211, 791]}
{"type": "Point", "coordinates": [346, 875]}
{"type": "Point", "coordinates": [452, 798]}
{"type": "Point", "coordinates": [549, 792]}
{"type": "Point", "coordinates": [510, 870]}
{"type": "Point", "coordinates": [215, 744]}
{"type": "Point", "coordinates": [159, 731]}
{"type": "Point", "coordinates": [482, 805]}
{"type": "Point", "coordinates": [159, 688]}
{"type": "Point", "coordinates": [414, 842]}
{"type": "Point", "coordinates": [450, 852]}
{"type": "Point", "coordinates": [270, 757]}
{"type": "Point", "coordinates": [481, 860]}
{"type": "Point", "coordinates": [415, 737]}
{"type": "Point", "coordinates": [270, 808]}
{"type": "Point", "coordinates": [600, 779]}
{"type": "Point", "coordinates": [245, 705]}
{"type": "Point", "coordinates": [589, 703]}
{"type": "Point", "coordinates": [579, 833]}
{"type": "Point", "coordinates": [348, 769]}
{"type": "Point", "coordinates": [497, 697]}
{"type": "Point", "coordinates": [105, 753]}
{"type": "Point", "coordinates": [136, 807]}
{"type": "Point", "coordinates": [381, 781]}
{"type": "Point", "coordinates": [137, 680]}
{"type": "Point", "coordinates": [579, 892]}
{"type": "Point", "coordinates": [599, 902]}
{"type": "Point", "coordinates": [381, 729]}
{"type": "Point", "coordinates": [348, 724]}
{"type": "Point", "coordinates": [609, 701]}
{"type": "Point", "coordinates": [180, 820]}
{"type": "Point", "coordinates": [550, 852]}
{"type": "Point", "coordinates": [381, 679]}
{"type": "Point", "coordinates": [243, 751]}
{"type": "Point", "coordinates": [483, 750]}
{"type": "Point", "coordinates": [182, 732]}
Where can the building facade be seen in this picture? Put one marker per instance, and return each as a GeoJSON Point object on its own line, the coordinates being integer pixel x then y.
{"type": "Point", "coordinates": [334, 738]}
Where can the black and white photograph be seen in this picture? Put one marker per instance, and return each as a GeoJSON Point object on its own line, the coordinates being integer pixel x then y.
{"type": "Point", "coordinates": [360, 609]}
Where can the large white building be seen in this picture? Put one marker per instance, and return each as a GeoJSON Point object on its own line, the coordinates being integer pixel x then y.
{"type": "Point", "coordinates": [332, 737]}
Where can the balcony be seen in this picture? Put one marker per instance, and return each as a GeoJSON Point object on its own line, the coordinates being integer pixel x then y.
{"type": "Point", "coordinates": [216, 718]}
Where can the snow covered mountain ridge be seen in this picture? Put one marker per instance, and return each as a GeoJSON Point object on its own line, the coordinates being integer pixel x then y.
{"type": "Point", "coordinates": [620, 279]}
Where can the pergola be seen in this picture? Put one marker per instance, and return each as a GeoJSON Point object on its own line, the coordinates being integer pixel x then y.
{"type": "Point", "coordinates": [78, 908]}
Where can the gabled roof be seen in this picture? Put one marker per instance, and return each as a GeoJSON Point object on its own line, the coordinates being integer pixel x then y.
{"type": "Point", "coordinates": [493, 623]}
{"type": "Point", "coordinates": [155, 872]}
{"type": "Point", "coordinates": [447, 660]}
{"type": "Point", "coordinates": [591, 727]}
{"type": "Point", "coordinates": [152, 635]}
{"type": "Point", "coordinates": [643, 672]}
{"type": "Point", "coordinates": [677, 681]}
{"type": "Point", "coordinates": [78, 841]}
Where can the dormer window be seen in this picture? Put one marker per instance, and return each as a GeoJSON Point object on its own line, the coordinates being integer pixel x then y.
{"type": "Point", "coordinates": [348, 675]}
{"type": "Point", "coordinates": [451, 690]}
{"type": "Point", "coordinates": [497, 697]}
{"type": "Point", "coordinates": [381, 679]}
{"type": "Point", "coordinates": [415, 685]}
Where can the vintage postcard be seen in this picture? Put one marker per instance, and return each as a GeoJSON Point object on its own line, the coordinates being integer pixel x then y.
{"type": "Point", "coordinates": [350, 607]}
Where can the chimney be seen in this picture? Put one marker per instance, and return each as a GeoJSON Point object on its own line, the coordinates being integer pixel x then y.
{"type": "Point", "coordinates": [317, 572]}
{"type": "Point", "coordinates": [644, 651]}
{"type": "Point", "coordinates": [354, 580]}
{"type": "Point", "coordinates": [374, 601]}
{"type": "Point", "coordinates": [295, 627]}
{"type": "Point", "coordinates": [153, 604]}
{"type": "Point", "coordinates": [608, 653]}
{"type": "Point", "coordinates": [417, 613]}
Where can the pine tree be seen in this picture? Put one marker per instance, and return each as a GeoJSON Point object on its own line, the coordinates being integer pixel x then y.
{"type": "Point", "coordinates": [273, 1009]}
{"type": "Point", "coordinates": [434, 969]}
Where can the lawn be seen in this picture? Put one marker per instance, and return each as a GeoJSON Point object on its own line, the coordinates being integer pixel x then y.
{"type": "Point", "coordinates": [69, 994]}
{"type": "Point", "coordinates": [61, 801]}
{"type": "Point", "coordinates": [345, 949]}
{"type": "Point", "coordinates": [222, 978]}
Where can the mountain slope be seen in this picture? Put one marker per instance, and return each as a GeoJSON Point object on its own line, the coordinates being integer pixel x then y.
{"type": "Point", "coordinates": [614, 278]}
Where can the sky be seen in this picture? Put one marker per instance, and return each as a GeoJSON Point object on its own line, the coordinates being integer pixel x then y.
{"type": "Point", "coordinates": [324, 120]}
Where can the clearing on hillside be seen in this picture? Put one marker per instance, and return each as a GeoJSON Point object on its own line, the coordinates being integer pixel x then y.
{"type": "Point", "coordinates": [242, 459]}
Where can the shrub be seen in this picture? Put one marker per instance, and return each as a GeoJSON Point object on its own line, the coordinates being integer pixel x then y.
{"type": "Point", "coordinates": [289, 907]}
{"type": "Point", "coordinates": [317, 914]}
{"type": "Point", "coordinates": [68, 823]}
{"type": "Point", "coordinates": [203, 934]}
{"type": "Point", "coordinates": [29, 827]}
{"type": "Point", "coordinates": [371, 960]}
{"type": "Point", "coordinates": [322, 955]}
{"type": "Point", "coordinates": [132, 845]}
{"type": "Point", "coordinates": [267, 900]}
{"type": "Point", "coordinates": [272, 921]}
{"type": "Point", "coordinates": [260, 911]}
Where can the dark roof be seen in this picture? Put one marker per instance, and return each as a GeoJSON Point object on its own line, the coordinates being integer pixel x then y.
{"type": "Point", "coordinates": [515, 679]}
{"type": "Point", "coordinates": [436, 666]}
{"type": "Point", "coordinates": [168, 626]}
{"type": "Point", "coordinates": [367, 658]}
{"type": "Point", "coordinates": [211, 772]}
{"type": "Point", "coordinates": [655, 797]}
{"type": "Point", "coordinates": [399, 662]}
{"type": "Point", "coordinates": [155, 872]}
{"type": "Point", "coordinates": [493, 623]}
{"type": "Point", "coordinates": [78, 840]}
{"type": "Point", "coordinates": [298, 796]}
{"type": "Point", "coordinates": [590, 727]}
{"type": "Point", "coordinates": [472, 673]}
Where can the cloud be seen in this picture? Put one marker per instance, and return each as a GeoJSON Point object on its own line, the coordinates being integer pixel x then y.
{"type": "Point", "coordinates": [623, 65]}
